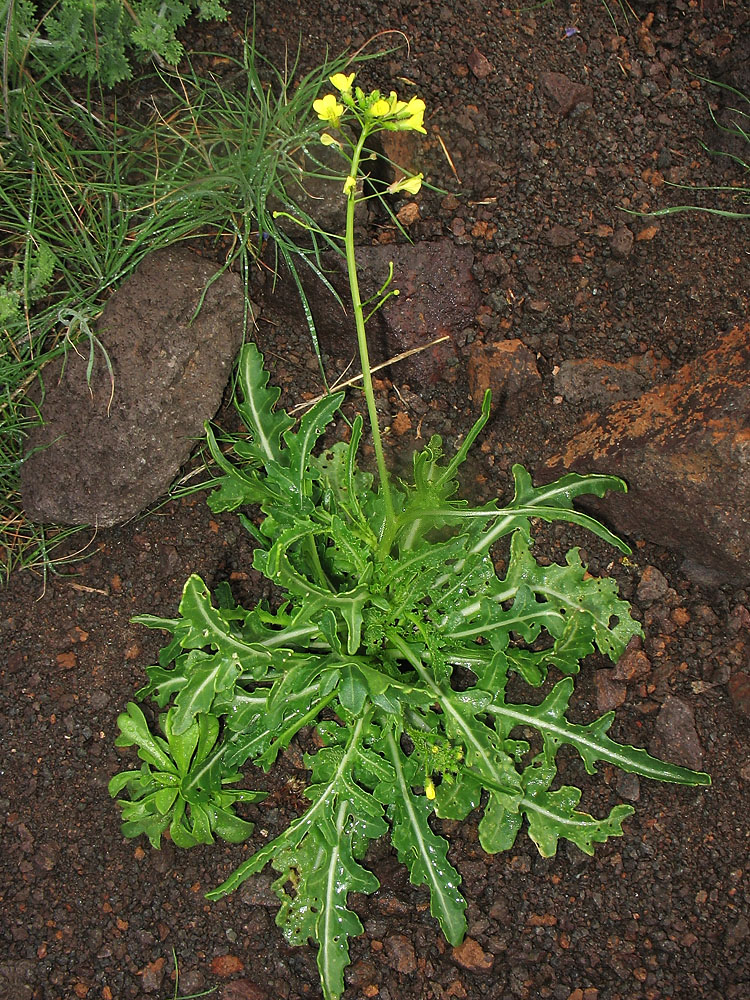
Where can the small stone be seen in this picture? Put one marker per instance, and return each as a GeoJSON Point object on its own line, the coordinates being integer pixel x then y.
{"type": "Point", "coordinates": [737, 932]}
{"type": "Point", "coordinates": [400, 953]}
{"type": "Point", "coordinates": [680, 616]}
{"type": "Point", "coordinates": [739, 691]}
{"type": "Point", "coordinates": [542, 920]}
{"type": "Point", "coordinates": [470, 955]}
{"type": "Point", "coordinates": [560, 236]}
{"type": "Point", "coordinates": [739, 619]}
{"type": "Point", "coordinates": [610, 693]}
{"type": "Point", "coordinates": [652, 586]}
{"type": "Point", "coordinates": [566, 94]}
{"type": "Point", "coordinates": [226, 965]}
{"type": "Point", "coordinates": [152, 976]}
{"type": "Point", "coordinates": [361, 974]}
{"type": "Point", "coordinates": [647, 234]}
{"type": "Point", "coordinates": [622, 241]}
{"type": "Point", "coordinates": [509, 369]}
{"type": "Point", "coordinates": [409, 214]}
{"type": "Point", "coordinates": [632, 665]}
{"type": "Point", "coordinates": [628, 786]}
{"type": "Point", "coordinates": [479, 64]}
{"type": "Point", "coordinates": [675, 737]}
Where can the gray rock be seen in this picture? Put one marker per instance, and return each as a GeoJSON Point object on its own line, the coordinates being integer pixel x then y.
{"type": "Point", "coordinates": [96, 463]}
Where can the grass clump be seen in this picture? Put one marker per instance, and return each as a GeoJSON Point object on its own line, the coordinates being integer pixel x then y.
{"type": "Point", "coordinates": [90, 188]}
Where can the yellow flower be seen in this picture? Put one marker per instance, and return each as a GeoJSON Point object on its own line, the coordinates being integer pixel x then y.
{"type": "Point", "coordinates": [429, 788]}
{"type": "Point", "coordinates": [342, 82]}
{"type": "Point", "coordinates": [408, 184]}
{"type": "Point", "coordinates": [329, 109]}
{"type": "Point", "coordinates": [350, 184]}
{"type": "Point", "coordinates": [328, 140]}
{"type": "Point", "coordinates": [411, 115]}
{"type": "Point", "coordinates": [380, 108]}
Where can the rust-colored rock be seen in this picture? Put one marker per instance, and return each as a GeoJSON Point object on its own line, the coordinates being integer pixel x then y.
{"type": "Point", "coordinates": [684, 449]}
{"type": "Point", "coordinates": [226, 965]}
{"type": "Point", "coordinates": [509, 369]}
{"type": "Point", "coordinates": [470, 955]}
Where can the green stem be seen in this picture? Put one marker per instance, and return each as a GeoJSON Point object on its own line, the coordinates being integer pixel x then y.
{"type": "Point", "coordinates": [364, 354]}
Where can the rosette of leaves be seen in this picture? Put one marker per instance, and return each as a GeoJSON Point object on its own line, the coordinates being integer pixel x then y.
{"type": "Point", "coordinates": [395, 638]}
{"type": "Point", "coordinates": [180, 785]}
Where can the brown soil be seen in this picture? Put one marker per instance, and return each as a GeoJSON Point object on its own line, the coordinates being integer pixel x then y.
{"type": "Point", "coordinates": [662, 913]}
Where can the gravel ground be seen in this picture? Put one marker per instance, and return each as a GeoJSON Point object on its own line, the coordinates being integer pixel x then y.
{"type": "Point", "coordinates": [536, 186]}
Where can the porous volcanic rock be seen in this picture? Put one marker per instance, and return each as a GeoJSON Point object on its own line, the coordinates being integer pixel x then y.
{"type": "Point", "coordinates": [438, 297]}
{"type": "Point", "coordinates": [101, 458]}
{"type": "Point", "coordinates": [684, 449]}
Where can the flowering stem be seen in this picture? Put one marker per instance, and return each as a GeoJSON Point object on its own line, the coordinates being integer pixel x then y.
{"type": "Point", "coordinates": [364, 355]}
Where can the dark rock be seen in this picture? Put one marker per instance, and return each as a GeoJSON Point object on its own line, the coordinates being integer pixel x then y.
{"type": "Point", "coordinates": [610, 693]}
{"type": "Point", "coordinates": [684, 449]}
{"type": "Point", "coordinates": [152, 975]}
{"type": "Point", "coordinates": [96, 462]}
{"type": "Point", "coordinates": [438, 297]}
{"type": "Point", "coordinates": [509, 369]}
{"type": "Point", "coordinates": [566, 94]}
{"type": "Point", "coordinates": [737, 932]}
{"type": "Point", "coordinates": [242, 989]}
{"type": "Point", "coordinates": [16, 979]}
{"type": "Point", "coordinates": [628, 786]}
{"type": "Point", "coordinates": [675, 738]}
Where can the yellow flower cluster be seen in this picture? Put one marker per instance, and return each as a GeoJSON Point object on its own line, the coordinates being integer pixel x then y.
{"type": "Point", "coordinates": [373, 112]}
{"type": "Point", "coordinates": [389, 112]}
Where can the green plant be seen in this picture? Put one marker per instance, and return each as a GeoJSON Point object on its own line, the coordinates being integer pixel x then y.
{"type": "Point", "coordinates": [396, 637]}
{"type": "Point", "coordinates": [95, 38]}
{"type": "Point", "coordinates": [180, 784]}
